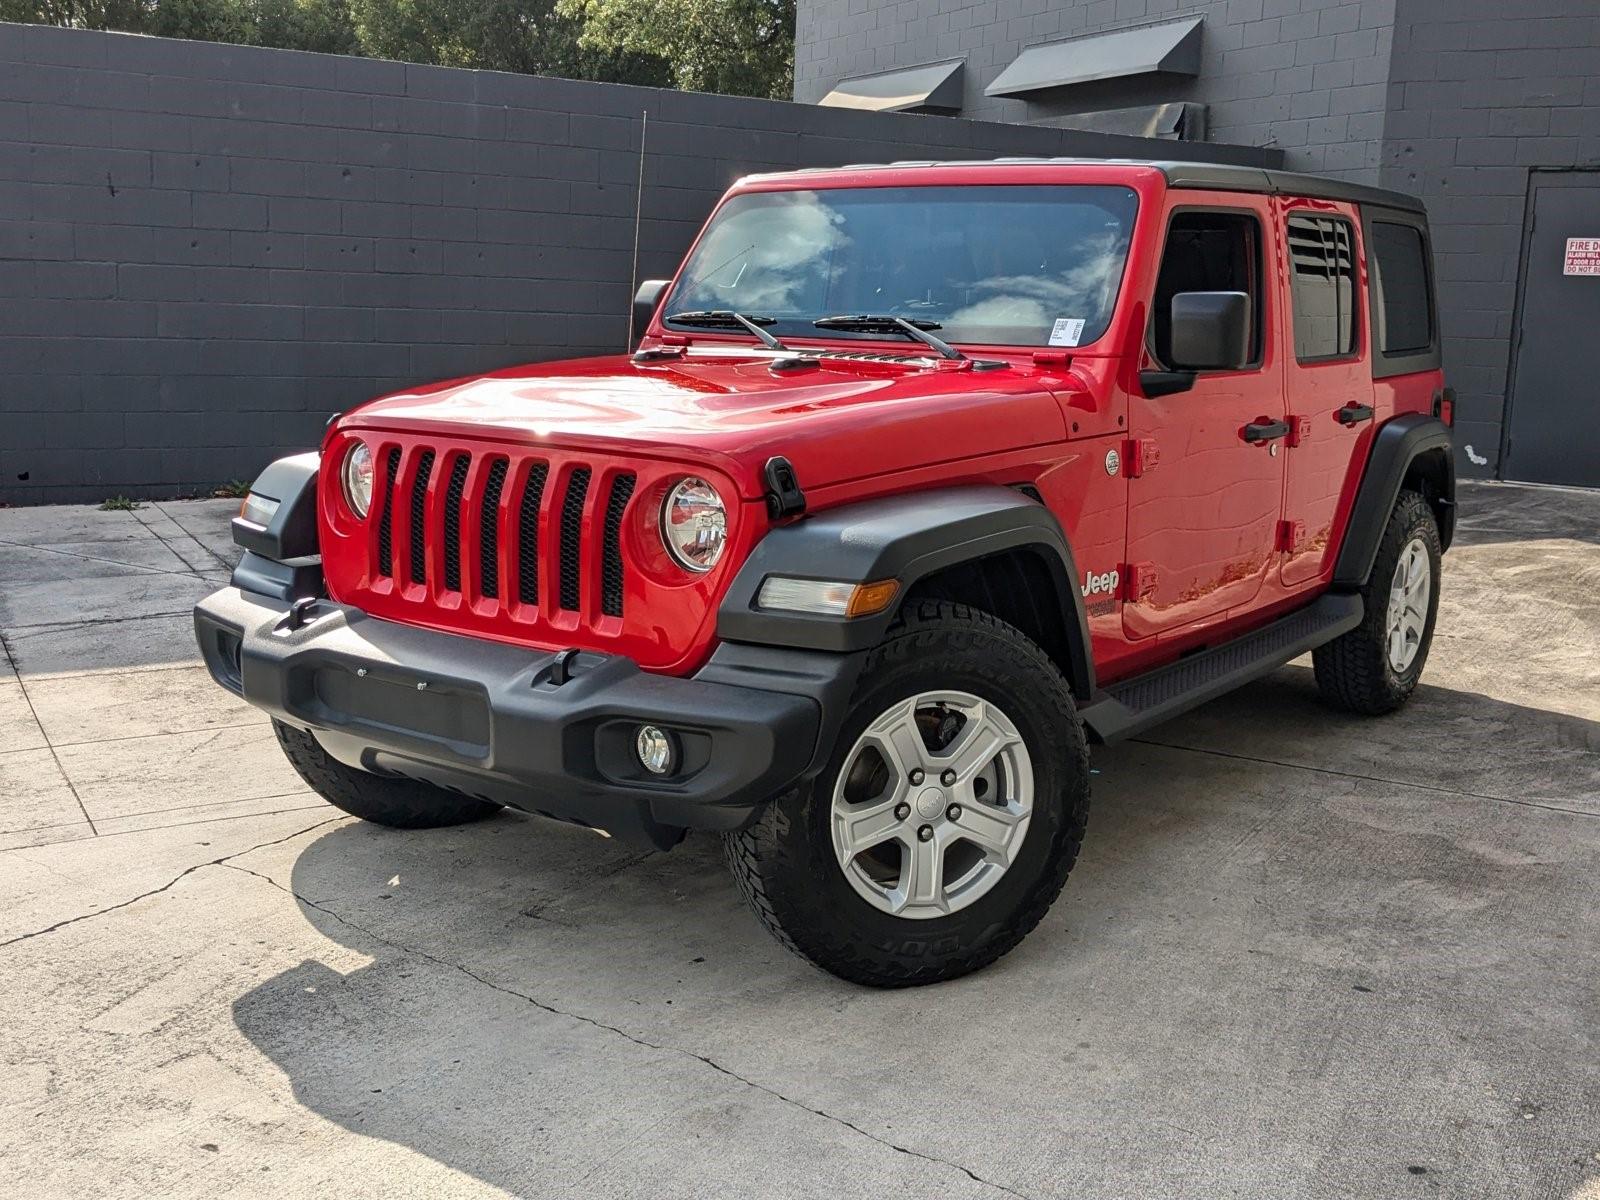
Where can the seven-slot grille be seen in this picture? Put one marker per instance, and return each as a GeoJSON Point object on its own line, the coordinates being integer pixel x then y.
{"type": "Point", "coordinates": [460, 507]}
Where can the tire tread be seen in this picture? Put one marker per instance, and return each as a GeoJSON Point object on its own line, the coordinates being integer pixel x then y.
{"type": "Point", "coordinates": [1352, 671]}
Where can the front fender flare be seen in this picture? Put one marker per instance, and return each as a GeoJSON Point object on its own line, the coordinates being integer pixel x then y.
{"type": "Point", "coordinates": [907, 538]}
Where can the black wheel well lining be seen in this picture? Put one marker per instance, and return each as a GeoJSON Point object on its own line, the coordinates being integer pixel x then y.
{"type": "Point", "coordinates": [1430, 475]}
{"type": "Point", "coordinates": [1019, 586]}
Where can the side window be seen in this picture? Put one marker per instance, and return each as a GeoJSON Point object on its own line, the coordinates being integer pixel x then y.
{"type": "Point", "coordinates": [1323, 286]}
{"type": "Point", "coordinates": [1403, 321]}
{"type": "Point", "coordinates": [1207, 252]}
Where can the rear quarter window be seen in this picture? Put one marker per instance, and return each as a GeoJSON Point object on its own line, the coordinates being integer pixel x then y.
{"type": "Point", "coordinates": [1404, 316]}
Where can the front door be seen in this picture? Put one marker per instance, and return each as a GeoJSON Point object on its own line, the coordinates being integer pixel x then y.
{"type": "Point", "coordinates": [1204, 508]}
{"type": "Point", "coordinates": [1554, 429]}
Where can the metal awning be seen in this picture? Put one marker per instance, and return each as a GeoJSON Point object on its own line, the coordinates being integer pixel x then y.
{"type": "Point", "coordinates": [937, 85]}
{"type": "Point", "coordinates": [1177, 121]}
{"type": "Point", "coordinates": [1173, 48]}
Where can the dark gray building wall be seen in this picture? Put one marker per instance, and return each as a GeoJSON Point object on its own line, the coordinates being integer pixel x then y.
{"type": "Point", "coordinates": [1481, 94]}
{"type": "Point", "coordinates": [205, 250]}
{"type": "Point", "coordinates": [1458, 101]}
{"type": "Point", "coordinates": [1305, 76]}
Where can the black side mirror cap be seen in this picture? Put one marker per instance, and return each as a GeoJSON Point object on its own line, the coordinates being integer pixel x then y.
{"type": "Point", "coordinates": [1211, 331]}
{"type": "Point", "coordinates": [1164, 383]}
{"type": "Point", "coordinates": [644, 304]}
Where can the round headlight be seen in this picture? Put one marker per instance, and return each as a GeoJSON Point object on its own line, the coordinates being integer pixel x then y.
{"type": "Point", "coordinates": [358, 478]}
{"type": "Point", "coordinates": [694, 525]}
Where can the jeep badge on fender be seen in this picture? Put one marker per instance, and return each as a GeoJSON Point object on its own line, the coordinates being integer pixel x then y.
{"type": "Point", "coordinates": [1095, 584]}
{"type": "Point", "coordinates": [822, 567]}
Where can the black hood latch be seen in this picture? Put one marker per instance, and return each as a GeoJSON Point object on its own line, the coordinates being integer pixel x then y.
{"type": "Point", "coordinates": [784, 497]}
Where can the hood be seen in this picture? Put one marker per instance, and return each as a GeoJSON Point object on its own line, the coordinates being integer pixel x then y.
{"type": "Point", "coordinates": [839, 421]}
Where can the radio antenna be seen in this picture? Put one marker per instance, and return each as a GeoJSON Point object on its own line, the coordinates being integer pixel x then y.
{"type": "Point", "coordinates": [638, 210]}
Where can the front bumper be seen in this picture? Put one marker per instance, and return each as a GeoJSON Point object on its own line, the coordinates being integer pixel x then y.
{"type": "Point", "coordinates": [535, 730]}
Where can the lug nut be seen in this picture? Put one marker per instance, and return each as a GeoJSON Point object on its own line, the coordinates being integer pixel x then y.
{"type": "Point", "coordinates": [925, 833]}
{"type": "Point", "coordinates": [953, 812]}
{"type": "Point", "coordinates": [917, 776]}
{"type": "Point", "coordinates": [947, 778]}
{"type": "Point", "coordinates": [902, 811]}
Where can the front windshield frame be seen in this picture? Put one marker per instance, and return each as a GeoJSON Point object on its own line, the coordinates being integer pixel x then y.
{"type": "Point", "coordinates": [692, 291]}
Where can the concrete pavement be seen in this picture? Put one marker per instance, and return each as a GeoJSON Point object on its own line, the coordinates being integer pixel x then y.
{"type": "Point", "coordinates": [1303, 955]}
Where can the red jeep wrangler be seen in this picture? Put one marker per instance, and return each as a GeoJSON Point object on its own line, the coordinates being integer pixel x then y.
{"type": "Point", "coordinates": [922, 478]}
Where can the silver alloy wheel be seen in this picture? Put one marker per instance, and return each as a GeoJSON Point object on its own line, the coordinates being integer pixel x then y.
{"type": "Point", "coordinates": [1408, 604]}
{"type": "Point", "coordinates": [923, 832]}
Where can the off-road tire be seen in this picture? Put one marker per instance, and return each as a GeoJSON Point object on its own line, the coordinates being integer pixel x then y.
{"type": "Point", "coordinates": [785, 863]}
{"type": "Point", "coordinates": [381, 799]}
{"type": "Point", "coordinates": [1353, 671]}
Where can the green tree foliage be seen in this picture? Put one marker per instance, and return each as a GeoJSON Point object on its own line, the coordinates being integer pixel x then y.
{"type": "Point", "coordinates": [735, 47]}
{"type": "Point", "coordinates": [324, 25]}
{"type": "Point", "coordinates": [743, 47]}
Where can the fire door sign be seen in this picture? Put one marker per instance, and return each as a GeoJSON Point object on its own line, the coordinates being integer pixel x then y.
{"type": "Point", "coordinates": [1583, 257]}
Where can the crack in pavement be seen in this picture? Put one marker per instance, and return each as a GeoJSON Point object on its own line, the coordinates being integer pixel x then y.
{"type": "Point", "coordinates": [1357, 775]}
{"type": "Point", "coordinates": [645, 1043]}
{"type": "Point", "coordinates": [190, 534]}
{"type": "Point", "coordinates": [61, 769]}
{"type": "Point", "coordinates": [73, 624]}
{"type": "Point", "coordinates": [173, 882]}
{"type": "Point", "coordinates": [136, 568]}
{"type": "Point", "coordinates": [171, 549]}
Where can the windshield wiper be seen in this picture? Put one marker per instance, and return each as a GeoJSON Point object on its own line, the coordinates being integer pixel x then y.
{"type": "Point", "coordinates": [721, 318]}
{"type": "Point", "coordinates": [884, 323]}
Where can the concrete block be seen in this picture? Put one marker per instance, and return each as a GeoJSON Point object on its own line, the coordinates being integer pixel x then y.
{"type": "Point", "coordinates": [213, 211]}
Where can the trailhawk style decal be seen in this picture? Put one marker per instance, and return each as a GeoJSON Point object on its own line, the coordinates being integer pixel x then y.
{"type": "Point", "coordinates": [1101, 592]}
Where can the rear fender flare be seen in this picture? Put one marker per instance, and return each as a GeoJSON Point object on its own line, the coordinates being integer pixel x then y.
{"type": "Point", "coordinates": [1400, 443]}
{"type": "Point", "coordinates": [906, 538]}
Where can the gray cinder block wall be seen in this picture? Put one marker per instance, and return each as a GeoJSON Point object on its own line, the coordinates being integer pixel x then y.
{"type": "Point", "coordinates": [1482, 94]}
{"type": "Point", "coordinates": [1293, 74]}
{"type": "Point", "coordinates": [205, 250]}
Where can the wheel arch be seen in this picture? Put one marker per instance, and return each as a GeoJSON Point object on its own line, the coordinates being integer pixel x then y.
{"type": "Point", "coordinates": [992, 547]}
{"type": "Point", "coordinates": [1410, 452]}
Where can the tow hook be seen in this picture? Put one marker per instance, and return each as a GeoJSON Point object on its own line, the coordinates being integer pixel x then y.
{"type": "Point", "coordinates": [561, 667]}
{"type": "Point", "coordinates": [300, 613]}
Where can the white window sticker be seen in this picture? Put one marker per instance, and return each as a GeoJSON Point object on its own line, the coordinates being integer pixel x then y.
{"type": "Point", "coordinates": [1066, 331]}
{"type": "Point", "coordinates": [1583, 258]}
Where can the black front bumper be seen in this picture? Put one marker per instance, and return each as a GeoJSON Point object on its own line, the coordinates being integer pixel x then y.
{"type": "Point", "coordinates": [540, 732]}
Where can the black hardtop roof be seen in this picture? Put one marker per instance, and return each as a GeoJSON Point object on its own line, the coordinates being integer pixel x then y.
{"type": "Point", "coordinates": [1220, 177]}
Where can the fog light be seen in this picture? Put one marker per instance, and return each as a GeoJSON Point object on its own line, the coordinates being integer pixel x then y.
{"type": "Point", "coordinates": [657, 753]}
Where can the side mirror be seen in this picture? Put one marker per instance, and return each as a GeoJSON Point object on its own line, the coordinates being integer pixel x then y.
{"type": "Point", "coordinates": [644, 304]}
{"type": "Point", "coordinates": [1210, 331]}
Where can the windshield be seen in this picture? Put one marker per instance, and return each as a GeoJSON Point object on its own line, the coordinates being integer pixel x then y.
{"type": "Point", "coordinates": [1019, 265]}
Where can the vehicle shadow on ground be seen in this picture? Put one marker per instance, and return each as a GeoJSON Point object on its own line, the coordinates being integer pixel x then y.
{"type": "Point", "coordinates": [529, 980]}
{"type": "Point", "coordinates": [1491, 515]}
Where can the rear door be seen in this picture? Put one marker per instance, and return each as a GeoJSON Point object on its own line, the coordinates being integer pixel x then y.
{"type": "Point", "coordinates": [1327, 378]}
{"type": "Point", "coordinates": [1204, 506]}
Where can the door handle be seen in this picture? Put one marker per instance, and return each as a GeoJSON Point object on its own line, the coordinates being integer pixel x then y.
{"type": "Point", "coordinates": [1354, 414]}
{"type": "Point", "coordinates": [1266, 431]}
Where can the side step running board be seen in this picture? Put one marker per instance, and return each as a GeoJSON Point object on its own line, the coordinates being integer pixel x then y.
{"type": "Point", "coordinates": [1137, 704]}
